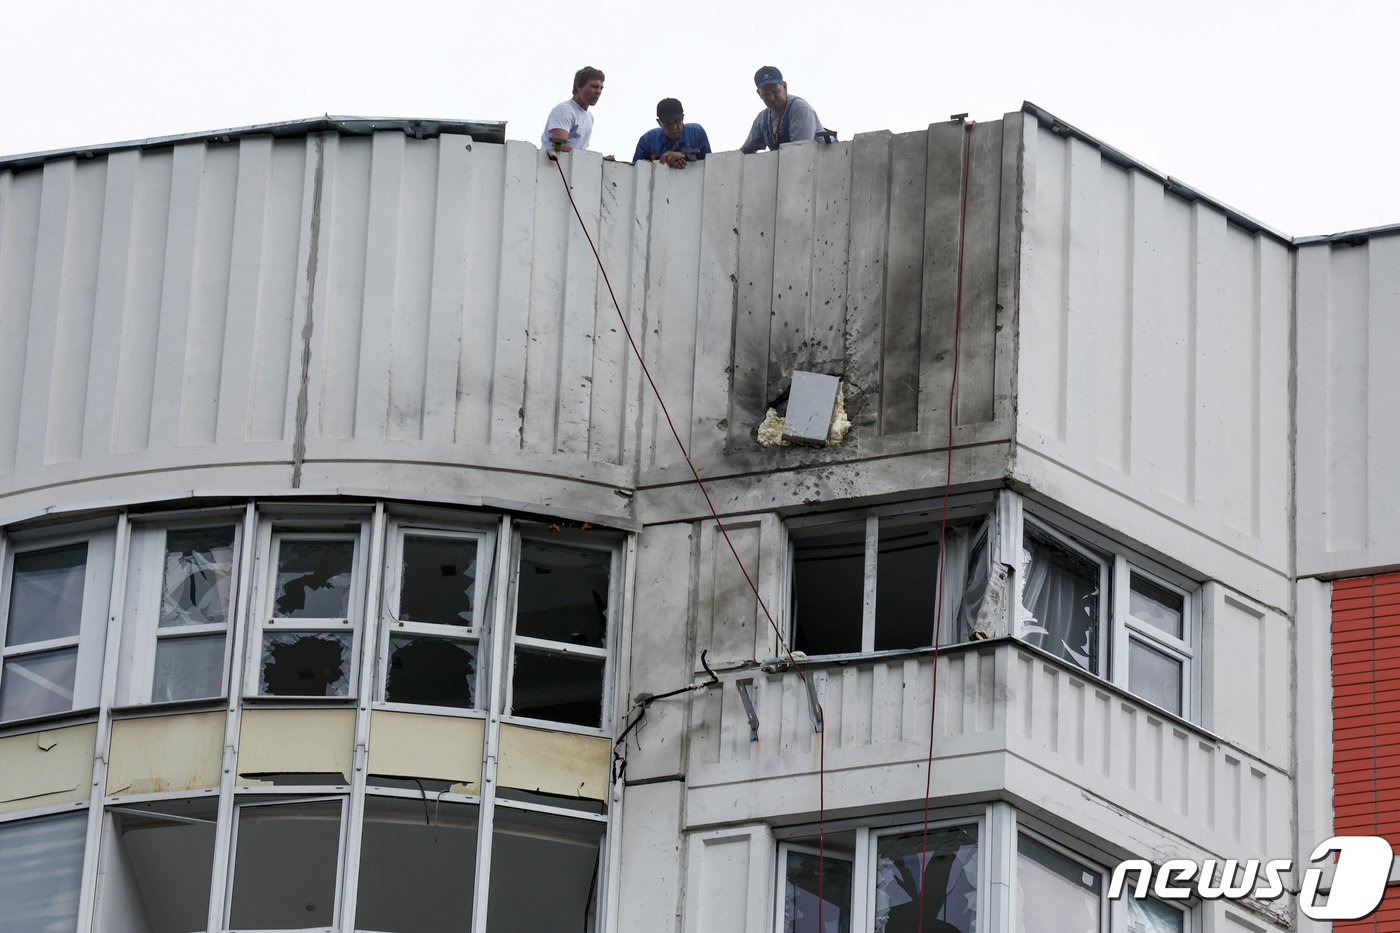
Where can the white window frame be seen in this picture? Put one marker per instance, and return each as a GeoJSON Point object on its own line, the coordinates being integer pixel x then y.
{"type": "Point", "coordinates": [145, 585]}
{"type": "Point", "coordinates": [479, 633]}
{"type": "Point", "coordinates": [90, 641]}
{"type": "Point", "coordinates": [1117, 629]}
{"type": "Point", "coordinates": [272, 532]}
{"type": "Point", "coordinates": [1113, 913]}
{"type": "Point", "coordinates": [614, 549]}
{"type": "Point", "coordinates": [963, 513]}
{"type": "Point", "coordinates": [255, 802]}
{"type": "Point", "coordinates": [865, 859]}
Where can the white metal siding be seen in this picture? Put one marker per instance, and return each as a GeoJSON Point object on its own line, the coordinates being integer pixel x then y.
{"type": "Point", "coordinates": [1153, 365]}
{"type": "Point", "coordinates": [1348, 444]}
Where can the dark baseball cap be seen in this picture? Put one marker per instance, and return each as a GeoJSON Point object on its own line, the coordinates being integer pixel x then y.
{"type": "Point", "coordinates": [669, 109]}
{"type": "Point", "coordinates": [767, 75]}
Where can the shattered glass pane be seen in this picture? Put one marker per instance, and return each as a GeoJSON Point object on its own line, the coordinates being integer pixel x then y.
{"type": "Point", "coordinates": [189, 668]}
{"type": "Point", "coordinates": [306, 664]}
{"type": "Point", "coordinates": [285, 866]}
{"type": "Point", "coordinates": [38, 684]}
{"type": "Point", "coordinates": [41, 869]}
{"type": "Point", "coordinates": [944, 867]}
{"type": "Point", "coordinates": [431, 671]}
{"type": "Point", "coordinates": [313, 578]}
{"type": "Point", "coordinates": [1059, 609]}
{"type": "Point", "coordinates": [563, 593]}
{"type": "Point", "coordinates": [46, 594]}
{"type": "Point", "coordinates": [1056, 893]}
{"type": "Point", "coordinates": [828, 590]}
{"type": "Point", "coordinates": [801, 903]}
{"type": "Point", "coordinates": [557, 687]}
{"type": "Point", "coordinates": [417, 866]}
{"type": "Point", "coordinates": [198, 576]}
{"type": "Point", "coordinates": [439, 580]}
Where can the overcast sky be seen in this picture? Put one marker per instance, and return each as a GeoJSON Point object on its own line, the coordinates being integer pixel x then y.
{"type": "Point", "coordinates": [1282, 109]}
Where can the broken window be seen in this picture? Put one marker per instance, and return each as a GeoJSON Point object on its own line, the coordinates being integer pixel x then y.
{"type": "Point", "coordinates": [1061, 596]}
{"type": "Point", "coordinates": [561, 632]}
{"type": "Point", "coordinates": [1099, 607]}
{"type": "Point", "coordinates": [533, 851]}
{"type": "Point", "coordinates": [417, 865]}
{"type": "Point", "coordinates": [943, 866]}
{"type": "Point", "coordinates": [432, 652]}
{"type": "Point", "coordinates": [312, 612]}
{"type": "Point", "coordinates": [873, 584]}
{"type": "Point", "coordinates": [41, 871]}
{"type": "Point", "coordinates": [157, 866]}
{"type": "Point", "coordinates": [816, 887]}
{"type": "Point", "coordinates": [193, 621]}
{"type": "Point", "coordinates": [286, 865]}
{"type": "Point", "coordinates": [54, 602]}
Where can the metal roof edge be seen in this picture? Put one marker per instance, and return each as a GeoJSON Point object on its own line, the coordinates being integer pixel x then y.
{"type": "Point", "coordinates": [1349, 237]}
{"type": "Point", "coordinates": [486, 131]}
{"type": "Point", "coordinates": [1174, 185]}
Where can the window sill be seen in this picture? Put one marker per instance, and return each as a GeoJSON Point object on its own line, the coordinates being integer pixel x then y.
{"type": "Point", "coordinates": [75, 717]}
{"type": "Point", "coordinates": [168, 707]}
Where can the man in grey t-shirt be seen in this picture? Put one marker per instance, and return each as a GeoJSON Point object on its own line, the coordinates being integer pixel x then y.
{"type": "Point", "coordinates": [570, 125]}
{"type": "Point", "coordinates": [784, 118]}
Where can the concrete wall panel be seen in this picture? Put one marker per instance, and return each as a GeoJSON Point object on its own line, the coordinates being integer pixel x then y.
{"type": "Point", "coordinates": [1153, 363]}
{"type": "Point", "coordinates": [1348, 336]}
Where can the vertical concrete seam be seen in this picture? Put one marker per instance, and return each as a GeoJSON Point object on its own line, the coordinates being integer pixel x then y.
{"type": "Point", "coordinates": [312, 257]}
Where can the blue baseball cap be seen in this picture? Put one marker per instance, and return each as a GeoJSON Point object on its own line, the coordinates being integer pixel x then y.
{"type": "Point", "coordinates": [767, 75]}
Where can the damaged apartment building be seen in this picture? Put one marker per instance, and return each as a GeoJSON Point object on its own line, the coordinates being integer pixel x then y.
{"type": "Point", "coordinates": [353, 577]}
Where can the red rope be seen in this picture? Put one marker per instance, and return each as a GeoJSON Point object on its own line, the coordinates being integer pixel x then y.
{"type": "Point", "coordinates": [943, 520]}
{"type": "Point", "coordinates": [784, 651]}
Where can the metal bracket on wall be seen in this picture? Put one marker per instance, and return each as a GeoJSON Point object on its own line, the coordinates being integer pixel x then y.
{"type": "Point", "coordinates": [813, 706]}
{"type": "Point", "coordinates": [746, 697]}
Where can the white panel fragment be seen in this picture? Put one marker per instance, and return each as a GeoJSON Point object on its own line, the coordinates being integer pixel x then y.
{"type": "Point", "coordinates": [811, 404]}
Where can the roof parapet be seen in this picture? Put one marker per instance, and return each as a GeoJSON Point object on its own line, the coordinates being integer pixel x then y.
{"type": "Point", "coordinates": [486, 131]}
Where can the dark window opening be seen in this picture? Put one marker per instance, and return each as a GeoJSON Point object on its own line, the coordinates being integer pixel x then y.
{"type": "Point", "coordinates": [558, 687]}
{"type": "Point", "coordinates": [431, 671]}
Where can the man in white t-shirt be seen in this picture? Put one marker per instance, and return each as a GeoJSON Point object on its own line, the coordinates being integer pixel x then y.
{"type": "Point", "coordinates": [570, 125]}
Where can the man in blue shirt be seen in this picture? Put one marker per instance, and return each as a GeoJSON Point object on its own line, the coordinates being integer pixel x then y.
{"type": "Point", "coordinates": [674, 141]}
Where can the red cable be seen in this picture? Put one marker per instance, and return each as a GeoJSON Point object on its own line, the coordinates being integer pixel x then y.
{"type": "Point", "coordinates": [943, 520]}
{"type": "Point", "coordinates": [714, 513]}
